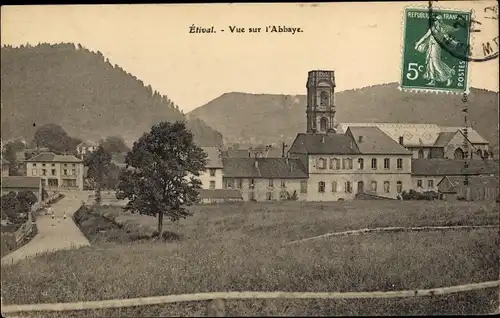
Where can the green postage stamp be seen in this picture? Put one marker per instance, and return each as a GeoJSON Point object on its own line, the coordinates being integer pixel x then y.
{"type": "Point", "coordinates": [435, 50]}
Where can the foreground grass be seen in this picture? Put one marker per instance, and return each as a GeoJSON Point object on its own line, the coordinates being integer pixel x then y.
{"type": "Point", "coordinates": [372, 262]}
{"type": "Point", "coordinates": [238, 247]}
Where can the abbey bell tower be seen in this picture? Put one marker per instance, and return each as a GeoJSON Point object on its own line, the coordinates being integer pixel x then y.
{"type": "Point", "coordinates": [320, 102]}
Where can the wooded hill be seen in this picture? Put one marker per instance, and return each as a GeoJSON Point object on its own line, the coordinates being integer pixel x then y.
{"type": "Point", "coordinates": [83, 92]}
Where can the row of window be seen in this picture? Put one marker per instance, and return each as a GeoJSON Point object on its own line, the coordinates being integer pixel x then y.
{"type": "Point", "coordinates": [347, 163]}
{"type": "Point", "coordinates": [53, 165]}
{"type": "Point", "coordinates": [66, 172]}
{"type": "Point", "coordinates": [430, 183]}
{"type": "Point", "coordinates": [360, 189]}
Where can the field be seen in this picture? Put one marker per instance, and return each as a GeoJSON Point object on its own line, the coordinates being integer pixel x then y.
{"type": "Point", "coordinates": [240, 247]}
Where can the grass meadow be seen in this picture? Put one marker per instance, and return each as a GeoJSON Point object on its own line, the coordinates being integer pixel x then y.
{"type": "Point", "coordinates": [240, 247]}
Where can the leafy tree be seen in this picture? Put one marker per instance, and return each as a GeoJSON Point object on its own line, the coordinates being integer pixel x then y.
{"type": "Point", "coordinates": [160, 178]}
{"type": "Point", "coordinates": [11, 206]}
{"type": "Point", "coordinates": [55, 138]}
{"type": "Point", "coordinates": [10, 154]}
{"type": "Point", "coordinates": [115, 144]}
{"type": "Point", "coordinates": [26, 199]}
{"type": "Point", "coordinates": [98, 162]}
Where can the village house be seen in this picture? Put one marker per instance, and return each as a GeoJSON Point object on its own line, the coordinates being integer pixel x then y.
{"type": "Point", "coordinates": [21, 183]}
{"type": "Point", "coordinates": [56, 171]}
{"type": "Point", "coordinates": [426, 174]}
{"type": "Point", "coordinates": [5, 167]}
{"type": "Point", "coordinates": [266, 179]}
{"type": "Point", "coordinates": [431, 141]}
{"type": "Point", "coordinates": [86, 147]}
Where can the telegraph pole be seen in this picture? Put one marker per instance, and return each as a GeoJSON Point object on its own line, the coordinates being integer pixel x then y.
{"type": "Point", "coordinates": [466, 148]}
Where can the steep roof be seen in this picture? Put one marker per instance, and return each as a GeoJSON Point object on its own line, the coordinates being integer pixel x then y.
{"type": "Point", "coordinates": [269, 168]}
{"type": "Point", "coordinates": [52, 157]}
{"type": "Point", "coordinates": [246, 153]}
{"type": "Point", "coordinates": [444, 138]}
{"type": "Point", "coordinates": [473, 136]}
{"type": "Point", "coordinates": [372, 140]}
{"type": "Point", "coordinates": [319, 144]}
{"type": "Point", "coordinates": [21, 182]}
{"type": "Point", "coordinates": [417, 134]}
{"type": "Point", "coordinates": [220, 194]}
{"type": "Point", "coordinates": [452, 167]}
{"type": "Point", "coordinates": [214, 157]}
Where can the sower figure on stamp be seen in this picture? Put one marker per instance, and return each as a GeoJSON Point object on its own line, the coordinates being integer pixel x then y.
{"type": "Point", "coordinates": [436, 70]}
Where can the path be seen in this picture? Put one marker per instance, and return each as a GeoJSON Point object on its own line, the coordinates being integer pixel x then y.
{"type": "Point", "coordinates": [54, 234]}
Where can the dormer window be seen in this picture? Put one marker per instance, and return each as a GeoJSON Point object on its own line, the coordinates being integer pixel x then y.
{"type": "Point", "coordinates": [321, 163]}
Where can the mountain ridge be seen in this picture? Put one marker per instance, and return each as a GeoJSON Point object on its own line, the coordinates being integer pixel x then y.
{"type": "Point", "coordinates": [82, 91]}
{"type": "Point", "coordinates": [262, 118]}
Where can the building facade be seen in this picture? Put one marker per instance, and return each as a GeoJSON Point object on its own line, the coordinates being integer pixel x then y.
{"type": "Point", "coordinates": [211, 178]}
{"type": "Point", "coordinates": [56, 171]}
{"type": "Point", "coordinates": [266, 179]}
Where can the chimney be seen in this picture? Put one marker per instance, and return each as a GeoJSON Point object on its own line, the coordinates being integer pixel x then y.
{"type": "Point", "coordinates": [360, 139]}
{"type": "Point", "coordinates": [401, 141]}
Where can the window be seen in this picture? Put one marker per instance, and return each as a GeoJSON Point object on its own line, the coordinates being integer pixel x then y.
{"type": "Point", "coordinates": [73, 172]}
{"type": "Point", "coordinates": [374, 163]}
{"type": "Point", "coordinates": [334, 186]}
{"type": "Point", "coordinates": [252, 184]}
{"type": "Point", "coordinates": [212, 172]}
{"type": "Point", "coordinates": [53, 165]}
{"type": "Point", "coordinates": [399, 187]}
{"type": "Point", "coordinates": [430, 183]}
{"type": "Point", "coordinates": [283, 184]}
{"type": "Point", "coordinates": [323, 122]}
{"type": "Point", "coordinates": [361, 164]}
{"type": "Point", "coordinates": [323, 96]}
{"type": "Point", "coordinates": [347, 163]}
{"type": "Point", "coordinates": [239, 183]}
{"type": "Point", "coordinates": [212, 184]}
{"type": "Point", "coordinates": [65, 164]}
{"type": "Point", "coordinates": [420, 154]}
{"type": "Point", "coordinates": [387, 187]}
{"type": "Point", "coordinates": [33, 172]}
{"type": "Point", "coordinates": [43, 165]}
{"type": "Point", "coordinates": [303, 186]}
{"type": "Point", "coordinates": [387, 163]}
{"type": "Point", "coordinates": [321, 163]}
{"type": "Point", "coordinates": [321, 187]}
{"type": "Point", "coordinates": [271, 183]}
{"type": "Point", "coordinates": [229, 183]}
{"type": "Point", "coordinates": [44, 172]}
{"type": "Point", "coordinates": [419, 183]}
{"type": "Point", "coordinates": [34, 165]}
{"type": "Point", "coordinates": [53, 172]}
{"type": "Point", "coordinates": [334, 164]}
{"type": "Point", "coordinates": [269, 196]}
{"type": "Point", "coordinates": [348, 187]}
{"type": "Point", "coordinates": [374, 186]}
{"type": "Point", "coordinates": [400, 163]}
{"type": "Point", "coordinates": [74, 165]}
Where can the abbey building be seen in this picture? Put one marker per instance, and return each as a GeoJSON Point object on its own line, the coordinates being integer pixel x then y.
{"type": "Point", "coordinates": [331, 162]}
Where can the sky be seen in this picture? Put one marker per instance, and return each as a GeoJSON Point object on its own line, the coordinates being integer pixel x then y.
{"type": "Point", "coordinates": [361, 42]}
